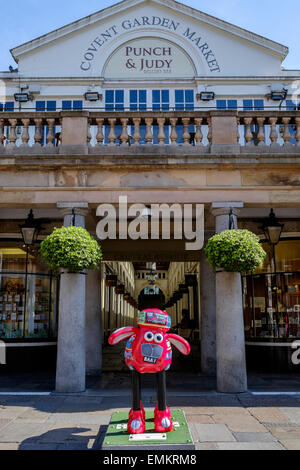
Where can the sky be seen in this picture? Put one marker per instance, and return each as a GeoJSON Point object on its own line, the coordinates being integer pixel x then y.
{"type": "Point", "coordinates": [24, 20]}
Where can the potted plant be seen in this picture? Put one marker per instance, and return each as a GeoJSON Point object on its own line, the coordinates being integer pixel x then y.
{"type": "Point", "coordinates": [71, 248]}
{"type": "Point", "coordinates": [236, 251]}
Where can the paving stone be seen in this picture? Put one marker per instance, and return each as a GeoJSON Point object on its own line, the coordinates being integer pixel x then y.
{"type": "Point", "coordinates": [268, 415]}
{"type": "Point", "coordinates": [38, 446]}
{"type": "Point", "coordinates": [249, 446]}
{"type": "Point", "coordinates": [4, 422]}
{"type": "Point", "coordinates": [12, 411]}
{"type": "Point", "coordinates": [74, 446]}
{"type": "Point", "coordinates": [283, 433]}
{"type": "Point", "coordinates": [200, 419]}
{"type": "Point", "coordinates": [9, 446]}
{"type": "Point", "coordinates": [79, 418]}
{"type": "Point", "coordinates": [33, 416]}
{"type": "Point", "coordinates": [292, 414]}
{"type": "Point", "coordinates": [240, 423]}
{"type": "Point", "coordinates": [206, 446]}
{"type": "Point", "coordinates": [254, 437]}
{"type": "Point", "coordinates": [63, 433]}
{"type": "Point", "coordinates": [18, 432]}
{"type": "Point", "coordinates": [291, 444]}
{"type": "Point", "coordinates": [213, 433]}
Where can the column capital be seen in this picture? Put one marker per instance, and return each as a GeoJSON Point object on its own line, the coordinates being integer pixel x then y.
{"type": "Point", "coordinates": [66, 208]}
{"type": "Point", "coordinates": [224, 211]}
{"type": "Point", "coordinates": [223, 208]}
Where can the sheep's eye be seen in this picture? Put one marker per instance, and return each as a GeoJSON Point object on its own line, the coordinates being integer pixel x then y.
{"type": "Point", "coordinates": [149, 336]}
{"type": "Point", "coordinates": [159, 338]}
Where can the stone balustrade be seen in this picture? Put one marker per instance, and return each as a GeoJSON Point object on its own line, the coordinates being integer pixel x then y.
{"type": "Point", "coordinates": [123, 132]}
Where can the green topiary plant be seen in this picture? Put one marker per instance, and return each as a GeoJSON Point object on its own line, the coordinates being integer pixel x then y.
{"type": "Point", "coordinates": [237, 251]}
{"type": "Point", "coordinates": [72, 248]}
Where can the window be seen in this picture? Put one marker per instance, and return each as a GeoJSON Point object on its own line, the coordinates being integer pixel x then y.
{"type": "Point", "coordinates": [114, 100]}
{"type": "Point", "coordinates": [184, 100]}
{"type": "Point", "coordinates": [160, 100]}
{"type": "Point", "coordinates": [250, 105]}
{"type": "Point", "coordinates": [9, 106]}
{"type": "Point", "coordinates": [226, 104]}
{"type": "Point", "coordinates": [28, 303]}
{"type": "Point", "coordinates": [69, 105]}
{"type": "Point", "coordinates": [43, 105]}
{"type": "Point", "coordinates": [138, 100]}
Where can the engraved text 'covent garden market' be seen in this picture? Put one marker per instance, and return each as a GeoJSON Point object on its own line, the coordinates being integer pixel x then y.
{"type": "Point", "coordinates": [154, 21]}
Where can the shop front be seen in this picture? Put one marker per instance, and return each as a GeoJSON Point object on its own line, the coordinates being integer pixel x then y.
{"type": "Point", "coordinates": [272, 310]}
{"type": "Point", "coordinates": [28, 307]}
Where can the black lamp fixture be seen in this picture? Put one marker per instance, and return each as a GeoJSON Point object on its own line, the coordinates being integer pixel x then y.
{"type": "Point", "coordinates": [272, 229]}
{"type": "Point", "coordinates": [205, 96]}
{"type": "Point", "coordinates": [279, 95]}
{"type": "Point", "coordinates": [22, 97]}
{"type": "Point", "coordinates": [30, 229]}
{"type": "Point", "coordinates": [93, 96]}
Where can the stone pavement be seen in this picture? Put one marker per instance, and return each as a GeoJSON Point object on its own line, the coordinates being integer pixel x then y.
{"type": "Point", "coordinates": [217, 421]}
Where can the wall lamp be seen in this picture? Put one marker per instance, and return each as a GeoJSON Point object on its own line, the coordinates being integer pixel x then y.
{"type": "Point", "coordinates": [205, 96]}
{"type": "Point", "coordinates": [93, 96]}
{"type": "Point", "coordinates": [279, 95]}
{"type": "Point", "coordinates": [22, 97]}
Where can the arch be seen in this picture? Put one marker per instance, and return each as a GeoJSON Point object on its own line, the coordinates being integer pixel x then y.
{"type": "Point", "coordinates": [189, 61]}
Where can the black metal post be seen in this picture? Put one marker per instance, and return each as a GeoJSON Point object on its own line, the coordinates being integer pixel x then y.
{"type": "Point", "coordinates": [161, 390]}
{"type": "Point", "coordinates": [136, 390]}
{"type": "Point", "coordinates": [25, 289]}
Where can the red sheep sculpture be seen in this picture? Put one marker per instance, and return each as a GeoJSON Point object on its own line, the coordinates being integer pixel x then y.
{"type": "Point", "coordinates": [148, 351]}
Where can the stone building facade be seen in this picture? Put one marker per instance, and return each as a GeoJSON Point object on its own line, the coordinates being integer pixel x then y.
{"type": "Point", "coordinates": [163, 104]}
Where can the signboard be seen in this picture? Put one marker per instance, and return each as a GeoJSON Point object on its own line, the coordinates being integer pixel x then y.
{"type": "Point", "coordinates": [149, 58]}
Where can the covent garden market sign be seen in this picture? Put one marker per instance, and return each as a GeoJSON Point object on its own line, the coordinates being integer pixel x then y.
{"type": "Point", "coordinates": [149, 56]}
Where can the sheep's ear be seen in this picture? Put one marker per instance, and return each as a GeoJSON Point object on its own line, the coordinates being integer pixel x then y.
{"type": "Point", "coordinates": [180, 343]}
{"type": "Point", "coordinates": [121, 334]}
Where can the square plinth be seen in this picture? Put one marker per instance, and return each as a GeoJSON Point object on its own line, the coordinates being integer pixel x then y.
{"type": "Point", "coordinates": [117, 438]}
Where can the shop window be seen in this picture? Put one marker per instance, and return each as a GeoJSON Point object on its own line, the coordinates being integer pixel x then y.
{"type": "Point", "coordinates": [28, 303]}
{"type": "Point", "coordinates": [272, 298]}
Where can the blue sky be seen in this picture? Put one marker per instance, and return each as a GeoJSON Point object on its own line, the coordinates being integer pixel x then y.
{"type": "Point", "coordinates": [23, 20]}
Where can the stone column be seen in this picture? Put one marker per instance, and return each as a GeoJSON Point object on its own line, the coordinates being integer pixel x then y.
{"type": "Point", "coordinates": [93, 324]}
{"type": "Point", "coordinates": [230, 336]}
{"type": "Point", "coordinates": [71, 360]}
{"type": "Point", "coordinates": [208, 316]}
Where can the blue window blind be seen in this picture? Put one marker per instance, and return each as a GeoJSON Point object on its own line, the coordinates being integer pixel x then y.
{"type": "Point", "coordinates": [67, 105]}
{"type": "Point", "coordinates": [160, 100]}
{"type": "Point", "coordinates": [51, 105]}
{"type": "Point", "coordinates": [40, 105]}
{"type": "Point", "coordinates": [184, 100]}
{"type": "Point", "coordinates": [77, 105]}
{"type": "Point", "coordinates": [114, 100]}
{"type": "Point", "coordinates": [138, 100]}
{"type": "Point", "coordinates": [248, 105]}
{"type": "Point", "coordinates": [232, 104]}
{"type": "Point", "coordinates": [259, 105]}
{"type": "Point", "coordinates": [221, 104]}
{"type": "Point", "coordinates": [1, 107]}
{"type": "Point", "coordinates": [290, 105]}
{"type": "Point", "coordinates": [9, 106]}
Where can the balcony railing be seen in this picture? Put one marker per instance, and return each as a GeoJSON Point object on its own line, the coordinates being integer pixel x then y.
{"type": "Point", "coordinates": [206, 132]}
